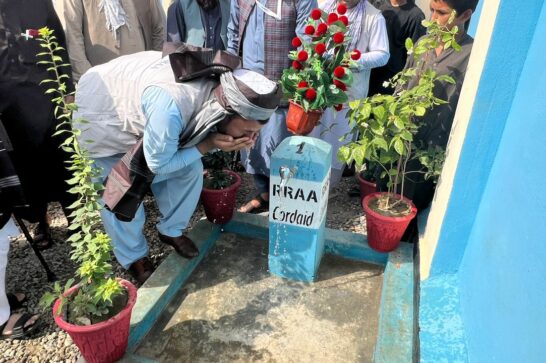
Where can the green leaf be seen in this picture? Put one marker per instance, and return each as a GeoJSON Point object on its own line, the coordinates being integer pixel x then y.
{"type": "Point", "coordinates": [409, 44]}
{"type": "Point", "coordinates": [379, 112]}
{"type": "Point", "coordinates": [381, 143]}
{"type": "Point", "coordinates": [358, 155]}
{"type": "Point", "coordinates": [420, 110]}
{"type": "Point", "coordinates": [344, 153]}
{"type": "Point", "coordinates": [399, 147]}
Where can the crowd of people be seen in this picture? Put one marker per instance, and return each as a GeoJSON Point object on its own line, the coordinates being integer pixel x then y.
{"type": "Point", "coordinates": [117, 50]}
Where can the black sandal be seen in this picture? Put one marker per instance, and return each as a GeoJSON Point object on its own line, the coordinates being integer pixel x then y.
{"type": "Point", "coordinates": [14, 302]}
{"type": "Point", "coordinates": [19, 330]}
{"type": "Point", "coordinates": [263, 207]}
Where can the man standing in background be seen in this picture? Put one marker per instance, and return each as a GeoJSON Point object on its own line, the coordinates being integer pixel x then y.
{"type": "Point", "coordinates": [98, 31]}
{"type": "Point", "coordinates": [27, 113]}
{"type": "Point", "coordinates": [261, 32]}
{"type": "Point", "coordinates": [202, 23]}
{"type": "Point", "coordinates": [403, 19]}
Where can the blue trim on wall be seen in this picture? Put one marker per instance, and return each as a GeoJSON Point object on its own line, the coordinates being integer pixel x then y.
{"type": "Point", "coordinates": [512, 35]}
{"type": "Point", "coordinates": [441, 326]}
{"type": "Point", "coordinates": [503, 274]}
{"type": "Point", "coordinates": [395, 331]}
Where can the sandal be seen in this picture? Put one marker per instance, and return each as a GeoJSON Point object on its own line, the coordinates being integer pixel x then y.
{"type": "Point", "coordinates": [249, 207]}
{"type": "Point", "coordinates": [19, 330]}
{"type": "Point", "coordinates": [14, 302]}
{"type": "Point", "coordinates": [42, 236]}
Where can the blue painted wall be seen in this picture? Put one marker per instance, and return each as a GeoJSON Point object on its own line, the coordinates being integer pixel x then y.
{"type": "Point", "coordinates": [503, 272]}
{"type": "Point", "coordinates": [511, 39]}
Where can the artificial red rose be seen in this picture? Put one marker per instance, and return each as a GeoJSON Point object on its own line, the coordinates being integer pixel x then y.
{"type": "Point", "coordinates": [303, 84]}
{"type": "Point", "coordinates": [338, 38]}
{"type": "Point", "coordinates": [296, 42]}
{"type": "Point", "coordinates": [316, 14]}
{"type": "Point", "coordinates": [296, 65]}
{"type": "Point", "coordinates": [321, 29]}
{"type": "Point", "coordinates": [355, 55]}
{"type": "Point", "coordinates": [320, 48]}
{"type": "Point", "coordinates": [339, 107]}
{"type": "Point", "coordinates": [332, 18]}
{"type": "Point", "coordinates": [339, 72]}
{"type": "Point", "coordinates": [302, 56]}
{"type": "Point", "coordinates": [33, 33]}
{"type": "Point", "coordinates": [309, 30]}
{"type": "Point", "coordinates": [340, 85]}
{"type": "Point", "coordinates": [341, 9]}
{"type": "Point", "coordinates": [344, 20]}
{"type": "Point", "coordinates": [311, 94]}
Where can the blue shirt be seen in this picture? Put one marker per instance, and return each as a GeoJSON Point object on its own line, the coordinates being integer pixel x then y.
{"type": "Point", "coordinates": [162, 132]}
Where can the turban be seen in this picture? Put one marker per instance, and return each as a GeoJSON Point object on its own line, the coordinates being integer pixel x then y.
{"type": "Point", "coordinates": [241, 91]}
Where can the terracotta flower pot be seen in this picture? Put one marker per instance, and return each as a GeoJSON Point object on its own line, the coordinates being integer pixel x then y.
{"type": "Point", "coordinates": [102, 342]}
{"type": "Point", "coordinates": [366, 187]}
{"type": "Point", "coordinates": [384, 233]}
{"type": "Point", "coordinates": [300, 122]}
{"type": "Point", "coordinates": [219, 204]}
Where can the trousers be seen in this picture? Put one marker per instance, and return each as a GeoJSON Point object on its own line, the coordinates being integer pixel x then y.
{"type": "Point", "coordinates": [176, 195]}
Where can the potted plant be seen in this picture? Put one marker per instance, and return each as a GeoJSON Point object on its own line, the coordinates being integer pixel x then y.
{"type": "Point", "coordinates": [320, 72]}
{"type": "Point", "coordinates": [367, 180]}
{"type": "Point", "coordinates": [220, 187]}
{"type": "Point", "coordinates": [95, 312]}
{"type": "Point", "coordinates": [385, 126]}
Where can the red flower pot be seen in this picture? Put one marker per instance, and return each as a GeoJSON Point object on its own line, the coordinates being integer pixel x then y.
{"type": "Point", "coordinates": [384, 232]}
{"type": "Point", "coordinates": [300, 122]}
{"type": "Point", "coordinates": [219, 204]}
{"type": "Point", "coordinates": [366, 187]}
{"type": "Point", "coordinates": [102, 342]}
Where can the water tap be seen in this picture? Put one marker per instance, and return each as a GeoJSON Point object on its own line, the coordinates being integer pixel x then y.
{"type": "Point", "coordinates": [286, 173]}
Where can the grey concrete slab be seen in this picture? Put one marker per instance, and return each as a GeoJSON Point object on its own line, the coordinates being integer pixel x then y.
{"type": "Point", "coordinates": [232, 310]}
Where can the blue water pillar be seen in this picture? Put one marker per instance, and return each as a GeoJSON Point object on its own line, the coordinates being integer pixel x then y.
{"type": "Point", "coordinates": [300, 180]}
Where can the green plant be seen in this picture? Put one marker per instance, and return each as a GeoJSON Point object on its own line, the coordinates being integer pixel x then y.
{"type": "Point", "coordinates": [91, 247]}
{"type": "Point", "coordinates": [386, 125]}
{"type": "Point", "coordinates": [215, 163]}
{"type": "Point", "coordinates": [320, 72]}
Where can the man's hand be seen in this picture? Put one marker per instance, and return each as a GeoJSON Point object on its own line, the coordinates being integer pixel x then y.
{"type": "Point", "coordinates": [224, 143]}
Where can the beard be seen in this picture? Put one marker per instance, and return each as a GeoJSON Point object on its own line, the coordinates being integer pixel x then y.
{"type": "Point", "coordinates": [207, 4]}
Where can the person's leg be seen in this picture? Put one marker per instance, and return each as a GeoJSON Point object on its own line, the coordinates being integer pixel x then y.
{"type": "Point", "coordinates": [5, 233]}
{"type": "Point", "coordinates": [128, 239]}
{"type": "Point", "coordinates": [257, 160]}
{"type": "Point", "coordinates": [177, 195]}
{"type": "Point", "coordinates": [260, 202]}
{"type": "Point", "coordinates": [15, 325]}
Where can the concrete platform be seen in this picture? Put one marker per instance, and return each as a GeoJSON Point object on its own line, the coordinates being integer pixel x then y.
{"type": "Point", "coordinates": [234, 302]}
{"type": "Point", "coordinates": [233, 310]}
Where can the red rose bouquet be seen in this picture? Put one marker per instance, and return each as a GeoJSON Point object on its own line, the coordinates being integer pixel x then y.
{"type": "Point", "coordinates": [320, 74]}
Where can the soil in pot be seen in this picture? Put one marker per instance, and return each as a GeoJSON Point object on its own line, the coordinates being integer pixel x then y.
{"type": "Point", "coordinates": [118, 304]}
{"type": "Point", "coordinates": [398, 207]}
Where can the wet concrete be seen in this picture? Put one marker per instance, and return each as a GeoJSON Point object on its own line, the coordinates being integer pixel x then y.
{"type": "Point", "coordinates": [233, 310]}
